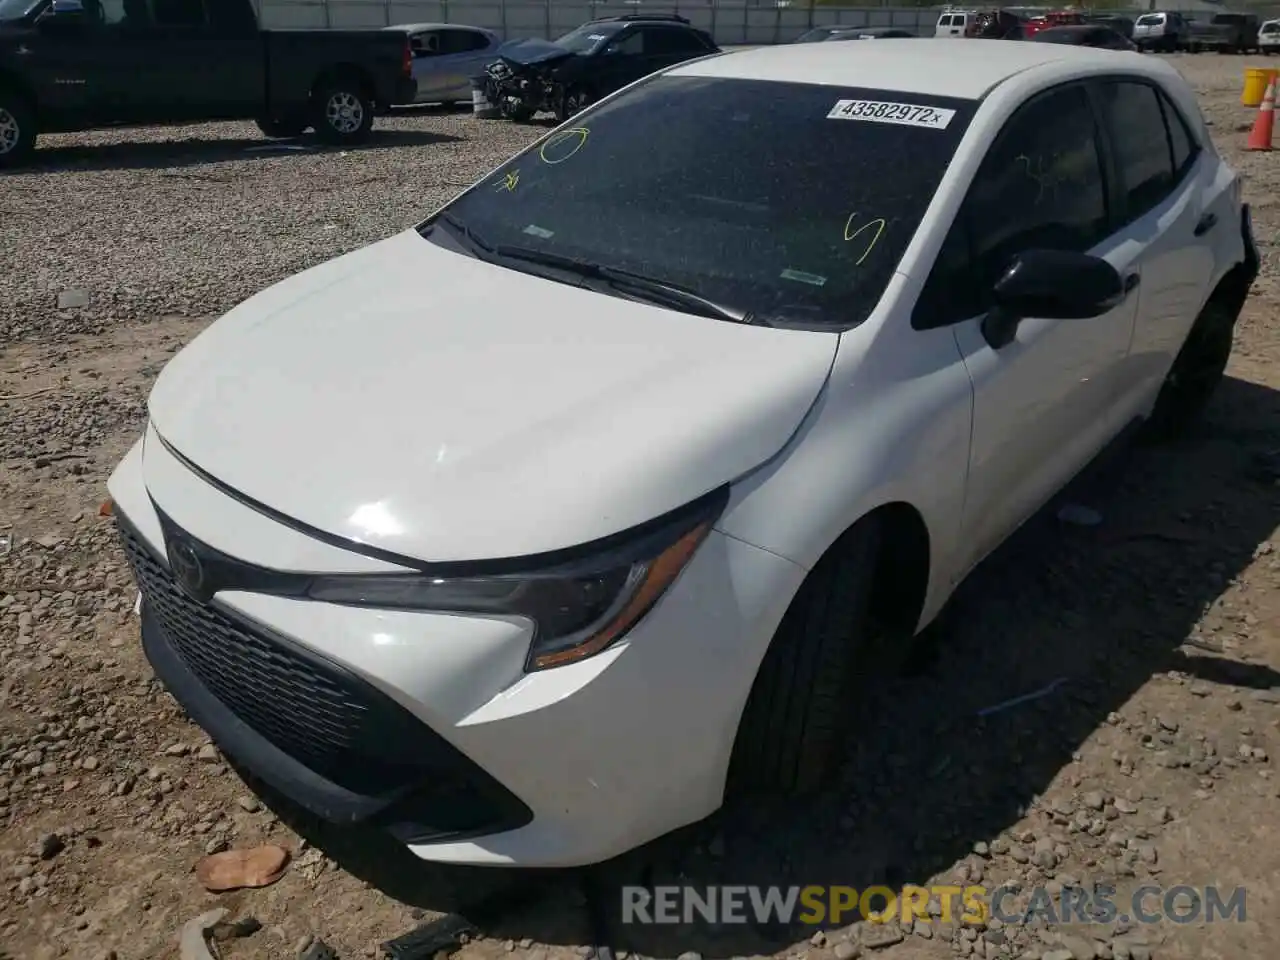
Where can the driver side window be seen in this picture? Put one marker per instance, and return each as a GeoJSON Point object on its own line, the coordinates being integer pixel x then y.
{"type": "Point", "coordinates": [1040, 186]}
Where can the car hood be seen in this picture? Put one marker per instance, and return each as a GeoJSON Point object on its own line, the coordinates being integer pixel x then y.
{"type": "Point", "coordinates": [527, 53]}
{"type": "Point", "coordinates": [419, 400]}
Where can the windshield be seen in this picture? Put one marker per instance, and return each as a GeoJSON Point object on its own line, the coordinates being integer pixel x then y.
{"type": "Point", "coordinates": [588, 37]}
{"type": "Point", "coordinates": [793, 202]}
{"type": "Point", "coordinates": [816, 35]}
{"type": "Point", "coordinates": [15, 9]}
{"type": "Point", "coordinates": [1270, 28]}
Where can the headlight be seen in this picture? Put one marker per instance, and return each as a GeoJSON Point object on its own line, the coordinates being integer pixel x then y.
{"type": "Point", "coordinates": [576, 607]}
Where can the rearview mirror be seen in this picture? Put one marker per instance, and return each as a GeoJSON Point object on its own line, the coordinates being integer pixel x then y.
{"type": "Point", "coordinates": [1053, 284]}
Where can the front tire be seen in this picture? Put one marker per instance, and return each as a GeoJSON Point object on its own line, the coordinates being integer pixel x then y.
{"type": "Point", "coordinates": [1196, 372]}
{"type": "Point", "coordinates": [792, 728]}
{"type": "Point", "coordinates": [574, 101]}
{"type": "Point", "coordinates": [17, 129]}
{"type": "Point", "coordinates": [343, 112]}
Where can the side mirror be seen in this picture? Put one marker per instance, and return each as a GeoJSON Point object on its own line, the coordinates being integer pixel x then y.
{"type": "Point", "coordinates": [1054, 284]}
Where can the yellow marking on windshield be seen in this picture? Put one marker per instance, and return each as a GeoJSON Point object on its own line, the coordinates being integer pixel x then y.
{"type": "Point", "coordinates": [563, 145]}
{"type": "Point", "coordinates": [850, 234]}
{"type": "Point", "coordinates": [509, 181]}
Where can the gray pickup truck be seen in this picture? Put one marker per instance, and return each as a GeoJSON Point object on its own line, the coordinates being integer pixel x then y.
{"type": "Point", "coordinates": [78, 64]}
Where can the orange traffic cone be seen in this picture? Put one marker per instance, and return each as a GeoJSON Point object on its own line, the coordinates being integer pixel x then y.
{"type": "Point", "coordinates": [1260, 136]}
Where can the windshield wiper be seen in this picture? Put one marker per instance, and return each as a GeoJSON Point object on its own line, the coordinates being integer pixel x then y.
{"type": "Point", "coordinates": [479, 247]}
{"type": "Point", "coordinates": [650, 289]}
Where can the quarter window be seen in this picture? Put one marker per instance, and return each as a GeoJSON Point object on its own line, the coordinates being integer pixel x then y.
{"type": "Point", "coordinates": [1183, 144]}
{"type": "Point", "coordinates": [1143, 154]}
{"type": "Point", "coordinates": [1040, 186]}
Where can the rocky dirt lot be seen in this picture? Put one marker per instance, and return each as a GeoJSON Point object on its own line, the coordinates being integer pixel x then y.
{"type": "Point", "coordinates": [1151, 760]}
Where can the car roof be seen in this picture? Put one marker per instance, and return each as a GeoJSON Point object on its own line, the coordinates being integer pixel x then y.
{"type": "Point", "coordinates": [964, 70]}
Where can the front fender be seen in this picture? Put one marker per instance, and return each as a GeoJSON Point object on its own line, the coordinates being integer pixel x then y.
{"type": "Point", "coordinates": [892, 426]}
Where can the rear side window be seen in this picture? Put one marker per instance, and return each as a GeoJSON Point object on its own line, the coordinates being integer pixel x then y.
{"type": "Point", "coordinates": [666, 40]}
{"type": "Point", "coordinates": [1041, 185]}
{"type": "Point", "coordinates": [1135, 118]}
{"type": "Point", "coordinates": [1151, 20]}
{"type": "Point", "coordinates": [944, 21]}
{"type": "Point", "coordinates": [462, 41]}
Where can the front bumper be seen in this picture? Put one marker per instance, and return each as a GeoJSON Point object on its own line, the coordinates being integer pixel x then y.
{"type": "Point", "coordinates": [425, 724]}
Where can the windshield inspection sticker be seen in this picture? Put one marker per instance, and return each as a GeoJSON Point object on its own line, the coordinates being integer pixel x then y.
{"type": "Point", "coordinates": [800, 277]}
{"type": "Point", "coordinates": [903, 114]}
{"type": "Point", "coordinates": [536, 231]}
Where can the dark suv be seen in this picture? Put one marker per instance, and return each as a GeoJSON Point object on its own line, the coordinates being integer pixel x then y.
{"type": "Point", "coordinates": [599, 57]}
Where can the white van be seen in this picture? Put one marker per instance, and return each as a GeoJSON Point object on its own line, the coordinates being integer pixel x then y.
{"type": "Point", "coordinates": [1269, 36]}
{"type": "Point", "coordinates": [956, 23]}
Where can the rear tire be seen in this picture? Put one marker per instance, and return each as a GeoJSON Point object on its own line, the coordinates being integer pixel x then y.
{"type": "Point", "coordinates": [343, 112]}
{"type": "Point", "coordinates": [1196, 372]}
{"type": "Point", "coordinates": [17, 129]}
{"type": "Point", "coordinates": [792, 728]}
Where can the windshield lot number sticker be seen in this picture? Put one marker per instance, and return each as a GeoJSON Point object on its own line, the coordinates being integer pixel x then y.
{"type": "Point", "coordinates": [880, 111]}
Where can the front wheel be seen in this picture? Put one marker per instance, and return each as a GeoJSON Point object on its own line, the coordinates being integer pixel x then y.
{"type": "Point", "coordinates": [17, 129]}
{"type": "Point", "coordinates": [343, 113]}
{"type": "Point", "coordinates": [574, 101]}
{"type": "Point", "coordinates": [1195, 374]}
{"type": "Point", "coordinates": [793, 727]}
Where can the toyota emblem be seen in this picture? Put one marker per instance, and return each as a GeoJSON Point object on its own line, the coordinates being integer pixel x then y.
{"type": "Point", "coordinates": [186, 566]}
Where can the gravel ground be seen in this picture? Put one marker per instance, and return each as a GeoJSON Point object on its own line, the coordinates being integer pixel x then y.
{"type": "Point", "coordinates": [1151, 761]}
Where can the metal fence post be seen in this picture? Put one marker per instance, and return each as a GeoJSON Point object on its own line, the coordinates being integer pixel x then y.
{"type": "Point", "coordinates": [386, 11]}
{"type": "Point", "coordinates": [546, 34]}
{"type": "Point", "coordinates": [502, 6]}
{"type": "Point", "coordinates": [715, 6]}
{"type": "Point", "coordinates": [444, 11]}
{"type": "Point", "coordinates": [328, 16]}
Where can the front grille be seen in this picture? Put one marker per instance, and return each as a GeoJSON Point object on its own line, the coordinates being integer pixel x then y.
{"type": "Point", "coordinates": [331, 722]}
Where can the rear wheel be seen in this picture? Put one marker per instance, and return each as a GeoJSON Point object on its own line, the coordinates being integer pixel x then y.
{"type": "Point", "coordinates": [792, 728]}
{"type": "Point", "coordinates": [343, 112]}
{"type": "Point", "coordinates": [17, 128]}
{"type": "Point", "coordinates": [1196, 372]}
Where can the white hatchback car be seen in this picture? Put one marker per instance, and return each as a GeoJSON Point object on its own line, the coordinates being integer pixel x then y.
{"type": "Point", "coordinates": [530, 532]}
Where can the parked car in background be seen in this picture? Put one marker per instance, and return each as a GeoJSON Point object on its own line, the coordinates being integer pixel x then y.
{"type": "Point", "coordinates": [1086, 35]}
{"type": "Point", "coordinates": [999, 25]}
{"type": "Point", "coordinates": [565, 75]}
{"type": "Point", "coordinates": [877, 33]}
{"type": "Point", "coordinates": [598, 498]}
{"type": "Point", "coordinates": [1269, 37]}
{"type": "Point", "coordinates": [1055, 18]}
{"type": "Point", "coordinates": [1224, 32]}
{"type": "Point", "coordinates": [823, 34]}
{"type": "Point", "coordinates": [445, 58]}
{"type": "Point", "coordinates": [71, 65]}
{"type": "Point", "coordinates": [956, 23]}
{"type": "Point", "coordinates": [1163, 31]}
{"type": "Point", "coordinates": [1121, 25]}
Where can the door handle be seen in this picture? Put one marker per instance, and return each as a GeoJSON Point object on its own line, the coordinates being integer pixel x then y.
{"type": "Point", "coordinates": [1205, 224]}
